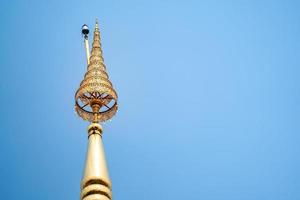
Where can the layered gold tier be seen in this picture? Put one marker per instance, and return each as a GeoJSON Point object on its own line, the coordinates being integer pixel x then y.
{"type": "Point", "coordinates": [96, 99]}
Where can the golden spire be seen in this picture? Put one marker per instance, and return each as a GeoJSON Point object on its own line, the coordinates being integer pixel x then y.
{"type": "Point", "coordinates": [95, 101]}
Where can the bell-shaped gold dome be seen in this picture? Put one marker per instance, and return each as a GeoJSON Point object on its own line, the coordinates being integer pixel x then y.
{"type": "Point", "coordinates": [96, 100]}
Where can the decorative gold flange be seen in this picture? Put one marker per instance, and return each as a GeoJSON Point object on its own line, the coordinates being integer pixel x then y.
{"type": "Point", "coordinates": [95, 128]}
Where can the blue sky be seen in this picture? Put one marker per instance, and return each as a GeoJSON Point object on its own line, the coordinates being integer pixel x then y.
{"type": "Point", "coordinates": [209, 98]}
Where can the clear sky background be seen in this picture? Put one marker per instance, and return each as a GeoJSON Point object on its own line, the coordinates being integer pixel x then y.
{"type": "Point", "coordinates": [209, 99]}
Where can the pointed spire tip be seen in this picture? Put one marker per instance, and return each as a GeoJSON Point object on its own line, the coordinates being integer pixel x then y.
{"type": "Point", "coordinates": [97, 24]}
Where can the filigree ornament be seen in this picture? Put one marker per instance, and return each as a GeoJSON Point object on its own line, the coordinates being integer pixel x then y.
{"type": "Point", "coordinates": [96, 100]}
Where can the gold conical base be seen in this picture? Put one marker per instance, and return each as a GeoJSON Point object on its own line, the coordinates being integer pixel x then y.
{"type": "Point", "coordinates": [95, 184]}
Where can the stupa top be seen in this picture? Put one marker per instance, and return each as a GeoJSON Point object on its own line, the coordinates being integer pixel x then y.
{"type": "Point", "coordinates": [96, 99]}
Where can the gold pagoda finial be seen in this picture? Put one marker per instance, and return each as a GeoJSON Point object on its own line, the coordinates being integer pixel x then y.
{"type": "Point", "coordinates": [95, 101]}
